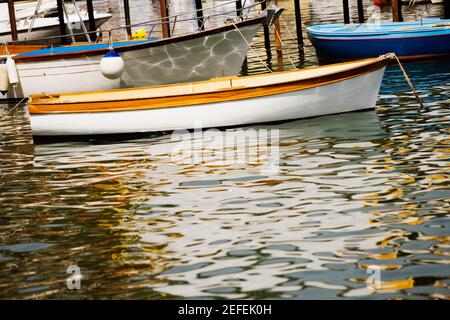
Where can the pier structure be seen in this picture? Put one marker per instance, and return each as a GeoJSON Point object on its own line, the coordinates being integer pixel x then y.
{"type": "Point", "coordinates": [396, 6]}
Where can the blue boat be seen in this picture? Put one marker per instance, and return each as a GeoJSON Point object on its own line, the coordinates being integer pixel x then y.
{"type": "Point", "coordinates": [427, 38]}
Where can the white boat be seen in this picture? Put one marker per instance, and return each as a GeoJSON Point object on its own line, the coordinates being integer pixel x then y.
{"type": "Point", "coordinates": [27, 9]}
{"type": "Point", "coordinates": [192, 57]}
{"type": "Point", "coordinates": [220, 102]}
{"type": "Point", "coordinates": [45, 27]}
{"type": "Point", "coordinates": [42, 17]}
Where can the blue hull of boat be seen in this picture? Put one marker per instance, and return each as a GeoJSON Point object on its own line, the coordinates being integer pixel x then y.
{"type": "Point", "coordinates": [337, 44]}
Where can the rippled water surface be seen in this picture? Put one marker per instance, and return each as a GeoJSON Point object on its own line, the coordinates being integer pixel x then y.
{"type": "Point", "coordinates": [353, 191]}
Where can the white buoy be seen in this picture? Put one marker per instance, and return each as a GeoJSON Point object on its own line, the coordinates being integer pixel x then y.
{"type": "Point", "coordinates": [112, 65]}
{"type": "Point", "coordinates": [12, 71]}
{"type": "Point", "coordinates": [4, 82]}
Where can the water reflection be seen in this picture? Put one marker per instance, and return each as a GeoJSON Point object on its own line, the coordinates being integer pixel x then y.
{"type": "Point", "coordinates": [354, 191]}
{"type": "Point", "coordinates": [135, 222]}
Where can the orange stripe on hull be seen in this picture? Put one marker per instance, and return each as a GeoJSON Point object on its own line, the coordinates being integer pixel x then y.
{"type": "Point", "coordinates": [46, 104]}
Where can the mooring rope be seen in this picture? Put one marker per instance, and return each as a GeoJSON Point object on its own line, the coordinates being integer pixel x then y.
{"type": "Point", "coordinates": [10, 110]}
{"type": "Point", "coordinates": [251, 48]}
{"type": "Point", "coordinates": [290, 35]}
{"type": "Point", "coordinates": [408, 80]}
{"type": "Point", "coordinates": [284, 48]}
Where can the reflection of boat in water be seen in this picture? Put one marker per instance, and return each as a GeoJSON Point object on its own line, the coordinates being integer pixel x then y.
{"type": "Point", "coordinates": [427, 38]}
{"type": "Point", "coordinates": [423, 74]}
{"type": "Point", "coordinates": [218, 102]}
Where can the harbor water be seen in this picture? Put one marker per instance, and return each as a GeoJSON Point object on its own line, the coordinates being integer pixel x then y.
{"type": "Point", "coordinates": [354, 196]}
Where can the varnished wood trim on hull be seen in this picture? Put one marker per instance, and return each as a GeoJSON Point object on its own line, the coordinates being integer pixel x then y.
{"type": "Point", "coordinates": [43, 105]}
{"type": "Point", "coordinates": [17, 49]}
{"type": "Point", "coordinates": [354, 94]}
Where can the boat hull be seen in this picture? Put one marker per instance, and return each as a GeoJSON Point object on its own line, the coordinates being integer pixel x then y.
{"type": "Point", "coordinates": [406, 48]}
{"type": "Point", "coordinates": [194, 59]}
{"type": "Point", "coordinates": [408, 40]}
{"type": "Point", "coordinates": [349, 94]}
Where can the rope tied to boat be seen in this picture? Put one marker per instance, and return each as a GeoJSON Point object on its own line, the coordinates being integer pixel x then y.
{"type": "Point", "coordinates": [408, 80]}
{"type": "Point", "coordinates": [281, 41]}
{"type": "Point", "coordinates": [250, 46]}
{"type": "Point", "coordinates": [12, 109]}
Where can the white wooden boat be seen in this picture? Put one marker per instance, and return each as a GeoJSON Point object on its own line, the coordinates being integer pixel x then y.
{"type": "Point", "coordinates": [45, 27]}
{"type": "Point", "coordinates": [42, 16]}
{"type": "Point", "coordinates": [26, 9]}
{"type": "Point", "coordinates": [220, 102]}
{"type": "Point", "coordinates": [192, 57]}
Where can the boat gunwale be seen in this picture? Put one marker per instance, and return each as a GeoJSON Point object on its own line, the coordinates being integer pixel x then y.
{"type": "Point", "coordinates": [125, 48]}
{"type": "Point", "coordinates": [237, 93]}
{"type": "Point", "coordinates": [19, 48]}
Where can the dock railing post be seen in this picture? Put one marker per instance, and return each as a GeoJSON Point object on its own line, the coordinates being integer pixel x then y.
{"type": "Point", "coordinates": [199, 8]}
{"type": "Point", "coordinates": [361, 18]}
{"type": "Point", "coordinates": [446, 9]}
{"type": "Point", "coordinates": [62, 26]}
{"type": "Point", "coordinates": [92, 26]}
{"type": "Point", "coordinates": [165, 21]}
{"type": "Point", "coordinates": [298, 24]}
{"type": "Point", "coordinates": [239, 15]}
{"type": "Point", "coordinates": [397, 11]}
{"type": "Point", "coordinates": [278, 43]}
{"type": "Point", "coordinates": [239, 8]}
{"type": "Point", "coordinates": [126, 8]}
{"type": "Point", "coordinates": [266, 34]}
{"type": "Point", "coordinates": [12, 20]}
{"type": "Point", "coordinates": [346, 11]}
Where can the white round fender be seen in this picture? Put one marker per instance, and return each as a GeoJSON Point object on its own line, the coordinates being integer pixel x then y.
{"type": "Point", "coordinates": [112, 65]}
{"type": "Point", "coordinates": [4, 82]}
{"type": "Point", "coordinates": [13, 76]}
